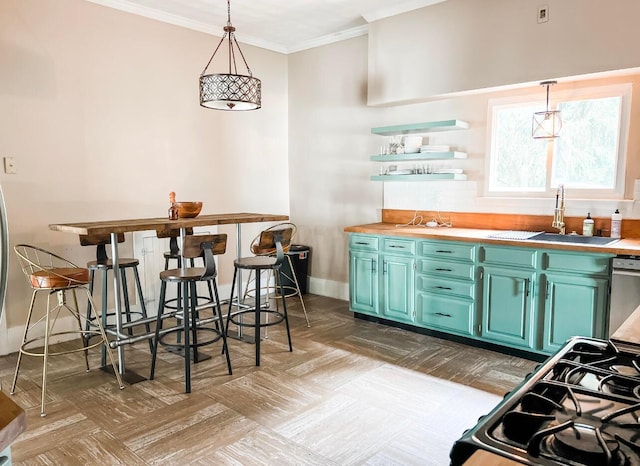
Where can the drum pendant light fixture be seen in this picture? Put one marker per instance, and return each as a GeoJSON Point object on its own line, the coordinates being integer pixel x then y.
{"type": "Point", "coordinates": [547, 124]}
{"type": "Point", "coordinates": [230, 91]}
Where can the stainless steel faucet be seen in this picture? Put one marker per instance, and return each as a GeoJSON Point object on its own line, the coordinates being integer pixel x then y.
{"type": "Point", "coordinates": [558, 213]}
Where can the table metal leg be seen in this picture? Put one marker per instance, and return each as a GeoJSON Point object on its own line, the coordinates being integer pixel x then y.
{"type": "Point", "coordinates": [130, 376]}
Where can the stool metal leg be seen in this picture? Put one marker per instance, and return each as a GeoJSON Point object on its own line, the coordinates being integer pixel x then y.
{"type": "Point", "coordinates": [143, 307]}
{"type": "Point", "coordinates": [257, 318]}
{"type": "Point", "coordinates": [284, 308]}
{"type": "Point", "coordinates": [24, 340]}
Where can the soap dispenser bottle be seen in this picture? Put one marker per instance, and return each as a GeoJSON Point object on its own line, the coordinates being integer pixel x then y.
{"type": "Point", "coordinates": [587, 225]}
{"type": "Point", "coordinates": [616, 224]}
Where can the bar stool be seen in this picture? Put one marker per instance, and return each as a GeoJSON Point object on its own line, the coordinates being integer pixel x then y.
{"type": "Point", "coordinates": [206, 246]}
{"type": "Point", "coordinates": [174, 254]}
{"type": "Point", "coordinates": [260, 250]}
{"type": "Point", "coordinates": [50, 274]}
{"type": "Point", "coordinates": [103, 264]}
{"type": "Point", "coordinates": [272, 239]}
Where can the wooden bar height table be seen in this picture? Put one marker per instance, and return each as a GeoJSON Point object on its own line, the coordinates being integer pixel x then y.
{"type": "Point", "coordinates": [114, 227]}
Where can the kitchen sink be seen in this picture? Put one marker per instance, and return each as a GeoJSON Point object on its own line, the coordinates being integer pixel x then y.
{"type": "Point", "coordinates": [576, 239]}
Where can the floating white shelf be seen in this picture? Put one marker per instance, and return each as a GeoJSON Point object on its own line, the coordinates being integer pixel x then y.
{"type": "Point", "coordinates": [419, 156]}
{"type": "Point", "coordinates": [416, 128]}
{"type": "Point", "coordinates": [428, 177]}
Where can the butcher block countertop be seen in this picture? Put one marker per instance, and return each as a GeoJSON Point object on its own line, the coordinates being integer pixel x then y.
{"type": "Point", "coordinates": [473, 235]}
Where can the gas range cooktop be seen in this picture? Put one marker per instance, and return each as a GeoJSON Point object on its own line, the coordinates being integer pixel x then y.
{"type": "Point", "coordinates": [581, 408]}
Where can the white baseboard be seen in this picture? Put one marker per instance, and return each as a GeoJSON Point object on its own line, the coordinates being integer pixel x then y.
{"type": "Point", "coordinates": [329, 288]}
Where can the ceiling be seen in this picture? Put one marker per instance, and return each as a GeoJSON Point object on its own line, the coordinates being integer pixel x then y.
{"type": "Point", "coordinates": [283, 26]}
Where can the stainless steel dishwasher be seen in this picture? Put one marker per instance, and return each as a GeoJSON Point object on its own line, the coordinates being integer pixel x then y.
{"type": "Point", "coordinates": [625, 290]}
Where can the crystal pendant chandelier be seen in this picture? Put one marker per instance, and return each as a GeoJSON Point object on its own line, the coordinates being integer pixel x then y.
{"type": "Point", "coordinates": [230, 91]}
{"type": "Point", "coordinates": [547, 124]}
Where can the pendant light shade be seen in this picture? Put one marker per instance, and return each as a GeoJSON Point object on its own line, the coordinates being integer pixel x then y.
{"type": "Point", "coordinates": [230, 91]}
{"type": "Point", "coordinates": [547, 124]}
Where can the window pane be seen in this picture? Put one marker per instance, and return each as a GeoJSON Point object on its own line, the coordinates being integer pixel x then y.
{"type": "Point", "coordinates": [586, 153]}
{"type": "Point", "coordinates": [518, 162]}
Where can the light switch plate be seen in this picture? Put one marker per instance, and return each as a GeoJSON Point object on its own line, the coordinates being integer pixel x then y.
{"type": "Point", "coordinates": [543, 14]}
{"type": "Point", "coordinates": [10, 166]}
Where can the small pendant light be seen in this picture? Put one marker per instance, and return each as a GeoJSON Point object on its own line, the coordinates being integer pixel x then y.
{"type": "Point", "coordinates": [230, 91]}
{"type": "Point", "coordinates": [547, 124]}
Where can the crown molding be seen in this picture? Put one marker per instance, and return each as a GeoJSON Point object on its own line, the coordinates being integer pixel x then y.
{"type": "Point", "coordinates": [181, 21]}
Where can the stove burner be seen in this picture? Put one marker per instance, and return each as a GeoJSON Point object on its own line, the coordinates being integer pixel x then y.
{"type": "Point", "coordinates": [584, 445]}
{"type": "Point", "coordinates": [580, 439]}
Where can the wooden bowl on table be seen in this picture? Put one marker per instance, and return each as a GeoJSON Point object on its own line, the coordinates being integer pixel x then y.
{"type": "Point", "coordinates": [188, 209]}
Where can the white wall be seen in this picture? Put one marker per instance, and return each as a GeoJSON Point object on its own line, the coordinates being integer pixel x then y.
{"type": "Point", "coordinates": [100, 110]}
{"type": "Point", "coordinates": [465, 45]}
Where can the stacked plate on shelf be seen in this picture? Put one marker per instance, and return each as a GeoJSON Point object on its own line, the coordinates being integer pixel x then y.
{"type": "Point", "coordinates": [412, 144]}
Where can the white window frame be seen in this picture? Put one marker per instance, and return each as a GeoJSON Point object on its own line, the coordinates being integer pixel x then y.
{"type": "Point", "coordinates": [623, 90]}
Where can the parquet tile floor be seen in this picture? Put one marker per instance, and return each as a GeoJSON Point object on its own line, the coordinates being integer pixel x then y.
{"type": "Point", "coordinates": [352, 392]}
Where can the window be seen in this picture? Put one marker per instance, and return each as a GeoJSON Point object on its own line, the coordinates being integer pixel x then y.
{"type": "Point", "coordinates": [588, 157]}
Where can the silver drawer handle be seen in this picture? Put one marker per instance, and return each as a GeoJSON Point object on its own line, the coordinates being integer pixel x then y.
{"type": "Point", "coordinates": [394, 246]}
{"type": "Point", "coordinates": [446, 252]}
{"type": "Point", "coordinates": [443, 287]}
{"type": "Point", "coordinates": [362, 243]}
{"type": "Point", "coordinates": [444, 270]}
{"type": "Point", "coordinates": [443, 314]}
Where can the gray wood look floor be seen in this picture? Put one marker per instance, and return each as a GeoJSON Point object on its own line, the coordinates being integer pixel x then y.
{"type": "Point", "coordinates": [352, 392]}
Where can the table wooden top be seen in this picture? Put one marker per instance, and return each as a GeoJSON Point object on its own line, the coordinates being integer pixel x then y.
{"type": "Point", "coordinates": [13, 421]}
{"type": "Point", "coordinates": [143, 224]}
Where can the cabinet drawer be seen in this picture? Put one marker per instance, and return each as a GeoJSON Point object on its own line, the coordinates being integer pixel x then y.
{"type": "Point", "coordinates": [500, 255]}
{"type": "Point", "coordinates": [447, 250]}
{"type": "Point", "coordinates": [445, 269]}
{"type": "Point", "coordinates": [444, 286]}
{"type": "Point", "coordinates": [444, 312]}
{"type": "Point", "coordinates": [363, 242]}
{"type": "Point", "coordinates": [576, 262]}
{"type": "Point", "coordinates": [398, 245]}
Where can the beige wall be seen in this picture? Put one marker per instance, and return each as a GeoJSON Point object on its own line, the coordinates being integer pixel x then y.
{"type": "Point", "coordinates": [464, 45]}
{"type": "Point", "coordinates": [100, 110]}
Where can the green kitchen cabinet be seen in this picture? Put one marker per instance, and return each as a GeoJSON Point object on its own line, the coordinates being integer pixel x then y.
{"type": "Point", "coordinates": [363, 274]}
{"type": "Point", "coordinates": [576, 296]}
{"type": "Point", "coordinates": [446, 287]}
{"type": "Point", "coordinates": [573, 306]}
{"type": "Point", "coordinates": [397, 279]}
{"type": "Point", "coordinates": [397, 287]}
{"type": "Point", "coordinates": [508, 306]}
{"type": "Point", "coordinates": [381, 276]}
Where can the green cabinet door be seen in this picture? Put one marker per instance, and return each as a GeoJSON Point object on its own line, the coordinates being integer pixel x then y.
{"type": "Point", "coordinates": [574, 306]}
{"type": "Point", "coordinates": [398, 287]}
{"type": "Point", "coordinates": [363, 282]}
{"type": "Point", "coordinates": [508, 306]}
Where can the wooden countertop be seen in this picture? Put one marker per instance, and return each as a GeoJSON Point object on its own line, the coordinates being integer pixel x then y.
{"type": "Point", "coordinates": [484, 458]}
{"type": "Point", "coordinates": [630, 329]}
{"type": "Point", "coordinates": [623, 246]}
{"type": "Point", "coordinates": [13, 421]}
{"type": "Point", "coordinates": [143, 224]}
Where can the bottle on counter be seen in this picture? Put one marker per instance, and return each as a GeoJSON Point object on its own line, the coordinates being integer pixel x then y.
{"type": "Point", "coordinates": [587, 225]}
{"type": "Point", "coordinates": [616, 224]}
{"type": "Point", "coordinates": [173, 209]}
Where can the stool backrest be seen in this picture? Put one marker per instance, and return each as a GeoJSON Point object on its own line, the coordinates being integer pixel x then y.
{"type": "Point", "coordinates": [45, 269]}
{"type": "Point", "coordinates": [173, 234]}
{"type": "Point", "coordinates": [100, 240]}
{"type": "Point", "coordinates": [275, 241]}
{"type": "Point", "coordinates": [206, 246]}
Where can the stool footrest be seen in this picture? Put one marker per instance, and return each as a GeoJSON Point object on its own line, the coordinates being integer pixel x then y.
{"type": "Point", "coordinates": [279, 318]}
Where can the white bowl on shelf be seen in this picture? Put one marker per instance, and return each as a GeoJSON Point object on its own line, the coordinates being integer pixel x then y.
{"type": "Point", "coordinates": [412, 144]}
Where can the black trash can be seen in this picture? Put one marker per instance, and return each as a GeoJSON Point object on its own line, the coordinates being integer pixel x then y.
{"type": "Point", "coordinates": [299, 255]}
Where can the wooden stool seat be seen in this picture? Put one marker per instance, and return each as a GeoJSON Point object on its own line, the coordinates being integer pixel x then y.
{"type": "Point", "coordinates": [108, 264]}
{"type": "Point", "coordinates": [59, 278]}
